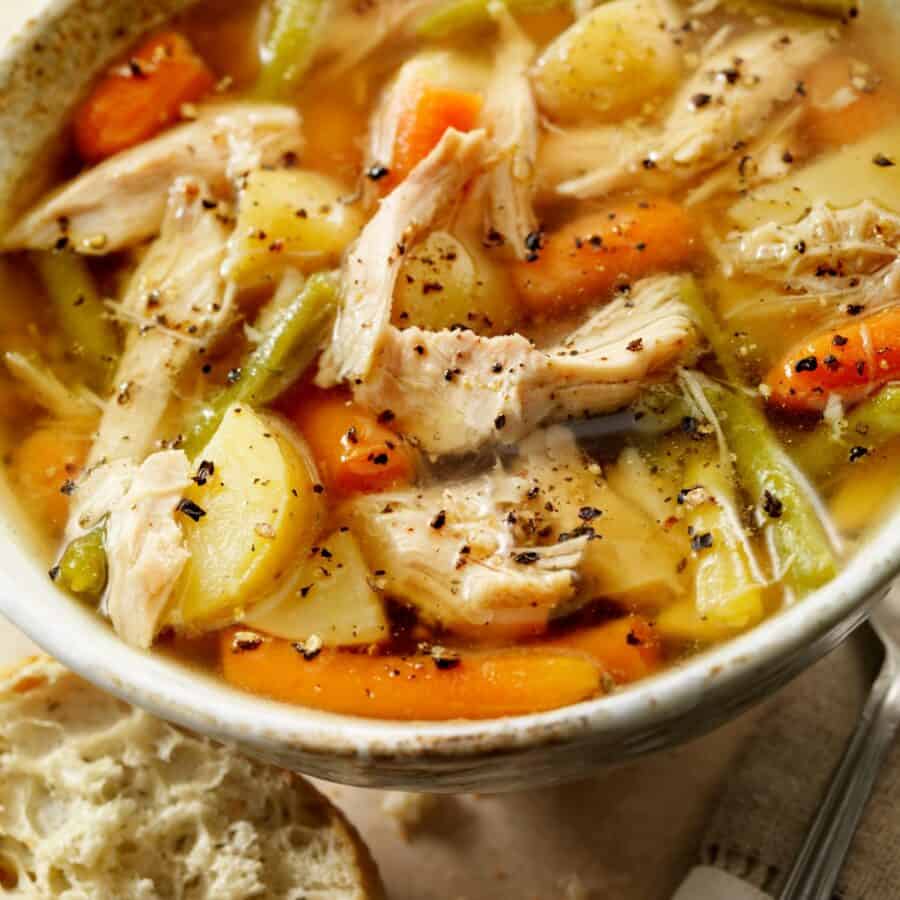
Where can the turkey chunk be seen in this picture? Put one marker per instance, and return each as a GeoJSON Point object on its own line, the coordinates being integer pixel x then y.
{"type": "Point", "coordinates": [724, 105]}
{"type": "Point", "coordinates": [459, 553]}
{"type": "Point", "coordinates": [373, 263]}
{"type": "Point", "coordinates": [122, 201]}
{"type": "Point", "coordinates": [453, 391]}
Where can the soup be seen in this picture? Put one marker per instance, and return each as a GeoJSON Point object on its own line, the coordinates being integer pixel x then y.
{"type": "Point", "coordinates": [448, 359]}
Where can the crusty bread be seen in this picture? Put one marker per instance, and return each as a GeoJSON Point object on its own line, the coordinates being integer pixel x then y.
{"type": "Point", "coordinates": [101, 801]}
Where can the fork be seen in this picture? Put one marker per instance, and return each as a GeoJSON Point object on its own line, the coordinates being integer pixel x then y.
{"type": "Point", "coordinates": [819, 862]}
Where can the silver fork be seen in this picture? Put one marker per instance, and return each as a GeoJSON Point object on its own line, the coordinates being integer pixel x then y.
{"type": "Point", "coordinates": [819, 862]}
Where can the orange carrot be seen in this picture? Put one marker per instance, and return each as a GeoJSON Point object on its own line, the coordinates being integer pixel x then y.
{"type": "Point", "coordinates": [43, 463]}
{"type": "Point", "coordinates": [354, 451]}
{"type": "Point", "coordinates": [628, 649]}
{"type": "Point", "coordinates": [585, 260]}
{"type": "Point", "coordinates": [828, 125]}
{"type": "Point", "coordinates": [481, 685]}
{"type": "Point", "coordinates": [851, 360]}
{"type": "Point", "coordinates": [430, 112]}
{"type": "Point", "coordinates": [137, 100]}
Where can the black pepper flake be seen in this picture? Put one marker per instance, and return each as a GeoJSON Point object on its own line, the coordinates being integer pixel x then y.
{"type": "Point", "coordinates": [689, 425]}
{"type": "Point", "coordinates": [807, 364]}
{"type": "Point", "coordinates": [527, 557]}
{"type": "Point", "coordinates": [233, 375]}
{"type": "Point", "coordinates": [440, 520]}
{"type": "Point", "coordinates": [701, 541]}
{"type": "Point", "coordinates": [67, 487]}
{"type": "Point", "coordinates": [831, 362]}
{"type": "Point", "coordinates": [884, 161]}
{"type": "Point", "coordinates": [206, 368]}
{"type": "Point", "coordinates": [698, 101]}
{"type": "Point", "coordinates": [386, 416]}
{"type": "Point", "coordinates": [500, 422]}
{"type": "Point", "coordinates": [53, 572]}
{"type": "Point", "coordinates": [205, 471]}
{"type": "Point", "coordinates": [636, 345]}
{"type": "Point", "coordinates": [800, 246]}
{"type": "Point", "coordinates": [377, 172]}
{"type": "Point", "coordinates": [772, 506]}
{"type": "Point", "coordinates": [304, 591]}
{"type": "Point", "coordinates": [318, 488]}
{"type": "Point", "coordinates": [432, 287]}
{"type": "Point", "coordinates": [61, 243]}
{"type": "Point", "coordinates": [586, 513]}
{"type": "Point", "coordinates": [839, 340]}
{"type": "Point", "coordinates": [496, 368]}
{"type": "Point", "coordinates": [190, 509]}
{"type": "Point", "coordinates": [419, 349]}
{"type": "Point", "coordinates": [854, 309]}
{"type": "Point", "coordinates": [307, 654]}
{"type": "Point", "coordinates": [858, 452]}
{"type": "Point", "coordinates": [648, 163]}
{"type": "Point", "coordinates": [633, 640]}
{"type": "Point", "coordinates": [595, 240]}
{"type": "Point", "coordinates": [380, 459]}
{"type": "Point", "coordinates": [351, 435]}
{"type": "Point", "coordinates": [445, 663]}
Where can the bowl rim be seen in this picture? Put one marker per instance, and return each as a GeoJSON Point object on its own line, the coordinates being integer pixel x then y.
{"type": "Point", "coordinates": [198, 701]}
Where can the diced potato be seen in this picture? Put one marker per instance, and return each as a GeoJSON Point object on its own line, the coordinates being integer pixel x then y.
{"type": "Point", "coordinates": [682, 622]}
{"type": "Point", "coordinates": [261, 513]}
{"type": "Point", "coordinates": [445, 282]}
{"type": "Point", "coordinates": [331, 597]}
{"type": "Point", "coordinates": [608, 64]}
{"type": "Point", "coordinates": [290, 217]}
{"type": "Point", "coordinates": [840, 179]}
{"type": "Point", "coordinates": [862, 498]}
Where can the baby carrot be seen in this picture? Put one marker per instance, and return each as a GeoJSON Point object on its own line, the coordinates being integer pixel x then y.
{"type": "Point", "coordinates": [587, 259]}
{"type": "Point", "coordinates": [851, 361]}
{"type": "Point", "coordinates": [475, 685]}
{"type": "Point", "coordinates": [138, 99]}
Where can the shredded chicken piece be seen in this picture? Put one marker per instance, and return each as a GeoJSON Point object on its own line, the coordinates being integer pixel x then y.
{"type": "Point", "coordinates": [177, 301]}
{"type": "Point", "coordinates": [373, 263]}
{"type": "Point", "coordinates": [453, 391]}
{"type": "Point", "coordinates": [723, 106]}
{"type": "Point", "coordinates": [145, 547]}
{"type": "Point", "coordinates": [456, 552]}
{"type": "Point", "coordinates": [122, 201]}
{"type": "Point", "coordinates": [512, 117]}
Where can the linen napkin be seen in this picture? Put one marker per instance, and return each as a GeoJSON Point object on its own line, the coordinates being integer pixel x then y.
{"type": "Point", "coordinates": [769, 803]}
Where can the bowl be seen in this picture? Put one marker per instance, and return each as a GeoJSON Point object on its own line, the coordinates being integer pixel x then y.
{"type": "Point", "coordinates": [42, 74]}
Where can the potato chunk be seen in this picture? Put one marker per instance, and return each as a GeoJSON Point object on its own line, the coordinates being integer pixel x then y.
{"type": "Point", "coordinates": [290, 217]}
{"type": "Point", "coordinates": [256, 511]}
{"type": "Point", "coordinates": [330, 597]}
{"type": "Point", "coordinates": [446, 282]}
{"type": "Point", "coordinates": [608, 64]}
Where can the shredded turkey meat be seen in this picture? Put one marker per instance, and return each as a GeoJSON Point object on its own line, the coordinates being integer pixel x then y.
{"type": "Point", "coordinates": [512, 117]}
{"type": "Point", "coordinates": [122, 201]}
{"type": "Point", "coordinates": [723, 106]}
{"type": "Point", "coordinates": [459, 553]}
{"type": "Point", "coordinates": [371, 267]}
{"type": "Point", "coordinates": [453, 391]}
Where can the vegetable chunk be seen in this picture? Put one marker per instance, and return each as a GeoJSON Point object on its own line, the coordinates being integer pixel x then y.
{"type": "Point", "coordinates": [252, 508]}
{"type": "Point", "coordinates": [137, 100]}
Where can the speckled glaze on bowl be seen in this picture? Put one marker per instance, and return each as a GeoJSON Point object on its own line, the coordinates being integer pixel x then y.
{"type": "Point", "coordinates": [42, 75]}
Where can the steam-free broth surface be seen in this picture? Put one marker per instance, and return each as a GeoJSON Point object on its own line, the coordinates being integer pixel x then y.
{"type": "Point", "coordinates": [429, 359]}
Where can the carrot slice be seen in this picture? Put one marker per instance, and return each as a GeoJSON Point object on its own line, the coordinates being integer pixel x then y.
{"type": "Point", "coordinates": [831, 122]}
{"type": "Point", "coordinates": [481, 685]}
{"type": "Point", "coordinates": [627, 649]}
{"type": "Point", "coordinates": [137, 100]}
{"type": "Point", "coordinates": [353, 450]}
{"type": "Point", "coordinates": [587, 259]}
{"type": "Point", "coordinates": [851, 360]}
{"type": "Point", "coordinates": [430, 112]}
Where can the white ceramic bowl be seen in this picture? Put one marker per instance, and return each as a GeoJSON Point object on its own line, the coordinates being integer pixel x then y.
{"type": "Point", "coordinates": [41, 76]}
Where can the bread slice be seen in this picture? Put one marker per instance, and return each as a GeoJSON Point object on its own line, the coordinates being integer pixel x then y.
{"type": "Point", "coordinates": [101, 801]}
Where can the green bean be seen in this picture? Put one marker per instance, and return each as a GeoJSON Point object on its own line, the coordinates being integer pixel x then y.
{"type": "Point", "coordinates": [461, 15]}
{"type": "Point", "coordinates": [799, 543]}
{"type": "Point", "coordinates": [82, 315]}
{"type": "Point", "coordinates": [289, 50]}
{"type": "Point", "coordinates": [871, 424]}
{"type": "Point", "coordinates": [285, 352]}
{"type": "Point", "coordinates": [82, 569]}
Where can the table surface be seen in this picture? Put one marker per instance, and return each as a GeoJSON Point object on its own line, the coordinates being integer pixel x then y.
{"type": "Point", "coordinates": [629, 834]}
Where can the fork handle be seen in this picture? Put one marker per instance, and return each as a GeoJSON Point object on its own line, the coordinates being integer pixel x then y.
{"type": "Point", "coordinates": [819, 862]}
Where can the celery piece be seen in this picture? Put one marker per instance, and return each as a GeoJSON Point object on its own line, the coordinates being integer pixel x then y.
{"type": "Point", "coordinates": [461, 15]}
{"type": "Point", "coordinates": [800, 545]}
{"type": "Point", "coordinates": [82, 569]}
{"type": "Point", "coordinates": [728, 586]}
{"type": "Point", "coordinates": [82, 315]}
{"type": "Point", "coordinates": [706, 321]}
{"type": "Point", "coordinates": [871, 424]}
{"type": "Point", "coordinates": [284, 353]}
{"type": "Point", "coordinates": [290, 47]}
